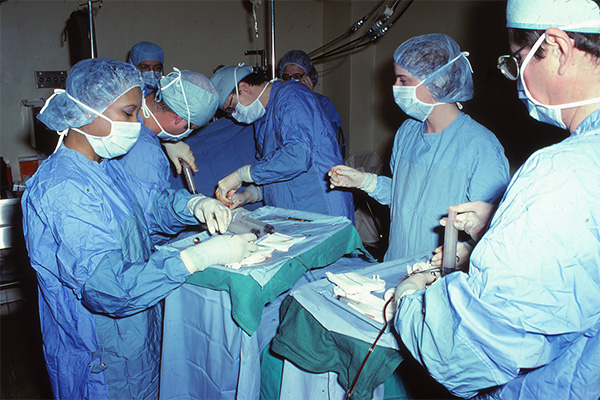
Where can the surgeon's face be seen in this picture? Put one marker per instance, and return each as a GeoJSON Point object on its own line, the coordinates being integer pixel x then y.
{"type": "Point", "coordinates": [150, 65]}
{"type": "Point", "coordinates": [537, 72]}
{"type": "Point", "coordinates": [124, 109]}
{"type": "Point", "coordinates": [404, 78]}
{"type": "Point", "coordinates": [245, 95]}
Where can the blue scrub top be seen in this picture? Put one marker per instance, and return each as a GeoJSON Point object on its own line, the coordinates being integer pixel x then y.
{"type": "Point", "coordinates": [100, 283]}
{"type": "Point", "coordinates": [527, 316]}
{"type": "Point", "coordinates": [433, 171]}
{"type": "Point", "coordinates": [219, 147]}
{"type": "Point", "coordinates": [297, 146]}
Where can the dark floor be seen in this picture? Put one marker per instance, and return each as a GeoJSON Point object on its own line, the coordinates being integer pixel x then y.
{"type": "Point", "coordinates": [22, 369]}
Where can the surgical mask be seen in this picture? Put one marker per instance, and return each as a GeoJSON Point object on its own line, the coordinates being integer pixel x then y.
{"type": "Point", "coordinates": [158, 97]}
{"type": "Point", "coordinates": [164, 135]}
{"type": "Point", "coordinates": [151, 78]}
{"type": "Point", "coordinates": [119, 141]}
{"type": "Point", "coordinates": [549, 114]}
{"type": "Point", "coordinates": [407, 100]}
{"type": "Point", "coordinates": [250, 113]}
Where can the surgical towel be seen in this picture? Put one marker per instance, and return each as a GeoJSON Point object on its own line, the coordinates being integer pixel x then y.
{"type": "Point", "coordinates": [327, 239]}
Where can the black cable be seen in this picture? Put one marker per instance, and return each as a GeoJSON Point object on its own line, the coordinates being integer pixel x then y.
{"type": "Point", "coordinates": [355, 27]}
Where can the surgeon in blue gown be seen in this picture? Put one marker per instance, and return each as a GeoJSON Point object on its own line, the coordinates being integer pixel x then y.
{"type": "Point", "coordinates": [218, 147]}
{"type": "Point", "coordinates": [295, 140]}
{"type": "Point", "coordinates": [100, 282]}
{"type": "Point", "coordinates": [184, 101]}
{"type": "Point", "coordinates": [297, 65]}
{"type": "Point", "coordinates": [525, 322]}
{"type": "Point", "coordinates": [441, 156]}
{"type": "Point", "coordinates": [149, 58]}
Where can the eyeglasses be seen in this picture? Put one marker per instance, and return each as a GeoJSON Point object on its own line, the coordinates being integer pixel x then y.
{"type": "Point", "coordinates": [287, 77]}
{"type": "Point", "coordinates": [228, 109]}
{"type": "Point", "coordinates": [509, 65]}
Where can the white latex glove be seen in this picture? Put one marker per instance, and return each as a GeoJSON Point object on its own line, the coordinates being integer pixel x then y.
{"type": "Point", "coordinates": [344, 176]}
{"type": "Point", "coordinates": [412, 284]}
{"type": "Point", "coordinates": [463, 252]}
{"type": "Point", "coordinates": [177, 151]}
{"type": "Point", "coordinates": [224, 249]}
{"type": "Point", "coordinates": [227, 187]}
{"type": "Point", "coordinates": [211, 212]}
{"type": "Point", "coordinates": [240, 199]}
{"type": "Point", "coordinates": [473, 217]}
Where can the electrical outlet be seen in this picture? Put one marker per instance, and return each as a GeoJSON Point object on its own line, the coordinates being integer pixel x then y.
{"type": "Point", "coordinates": [50, 79]}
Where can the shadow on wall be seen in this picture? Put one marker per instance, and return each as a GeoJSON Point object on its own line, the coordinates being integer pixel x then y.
{"type": "Point", "coordinates": [496, 104]}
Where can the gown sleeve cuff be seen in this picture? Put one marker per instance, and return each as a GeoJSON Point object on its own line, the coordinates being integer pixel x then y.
{"type": "Point", "coordinates": [244, 173]}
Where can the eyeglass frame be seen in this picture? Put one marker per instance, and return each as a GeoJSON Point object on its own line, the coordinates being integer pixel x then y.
{"type": "Point", "coordinates": [501, 65]}
{"type": "Point", "coordinates": [296, 76]}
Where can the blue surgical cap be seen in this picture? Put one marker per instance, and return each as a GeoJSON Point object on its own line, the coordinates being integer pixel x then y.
{"type": "Point", "coordinates": [227, 78]}
{"type": "Point", "coordinates": [570, 15]}
{"type": "Point", "coordinates": [187, 90]}
{"type": "Point", "coordinates": [145, 51]}
{"type": "Point", "coordinates": [301, 59]}
{"type": "Point", "coordinates": [428, 57]}
{"type": "Point", "coordinates": [97, 83]}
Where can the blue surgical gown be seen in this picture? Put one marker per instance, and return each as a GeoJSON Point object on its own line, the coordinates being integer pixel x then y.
{"type": "Point", "coordinates": [297, 147]}
{"type": "Point", "coordinates": [100, 284]}
{"type": "Point", "coordinates": [148, 164]}
{"type": "Point", "coordinates": [335, 119]}
{"type": "Point", "coordinates": [219, 147]}
{"type": "Point", "coordinates": [433, 171]}
{"type": "Point", "coordinates": [527, 316]}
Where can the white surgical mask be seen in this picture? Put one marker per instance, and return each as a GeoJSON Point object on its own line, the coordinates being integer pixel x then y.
{"type": "Point", "coordinates": [164, 135]}
{"type": "Point", "coordinates": [407, 100]}
{"type": "Point", "coordinates": [119, 141]}
{"type": "Point", "coordinates": [549, 114]}
{"type": "Point", "coordinates": [151, 78]}
{"type": "Point", "coordinates": [250, 113]}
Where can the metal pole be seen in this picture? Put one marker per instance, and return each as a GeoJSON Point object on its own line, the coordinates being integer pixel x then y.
{"type": "Point", "coordinates": [91, 28]}
{"type": "Point", "coordinates": [272, 39]}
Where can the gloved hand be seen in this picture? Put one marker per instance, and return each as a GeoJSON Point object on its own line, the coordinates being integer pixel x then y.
{"type": "Point", "coordinates": [211, 212]}
{"type": "Point", "coordinates": [240, 199]}
{"type": "Point", "coordinates": [227, 187]}
{"type": "Point", "coordinates": [177, 151]}
{"type": "Point", "coordinates": [413, 283]}
{"type": "Point", "coordinates": [223, 249]}
{"type": "Point", "coordinates": [473, 217]}
{"type": "Point", "coordinates": [463, 252]}
{"type": "Point", "coordinates": [344, 176]}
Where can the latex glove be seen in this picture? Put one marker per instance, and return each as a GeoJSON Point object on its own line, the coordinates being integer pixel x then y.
{"type": "Point", "coordinates": [240, 199]}
{"type": "Point", "coordinates": [463, 252]}
{"type": "Point", "coordinates": [412, 284]}
{"type": "Point", "coordinates": [211, 212]}
{"type": "Point", "coordinates": [177, 151]}
{"type": "Point", "coordinates": [473, 217]}
{"type": "Point", "coordinates": [344, 176]}
{"type": "Point", "coordinates": [221, 250]}
{"type": "Point", "coordinates": [227, 187]}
